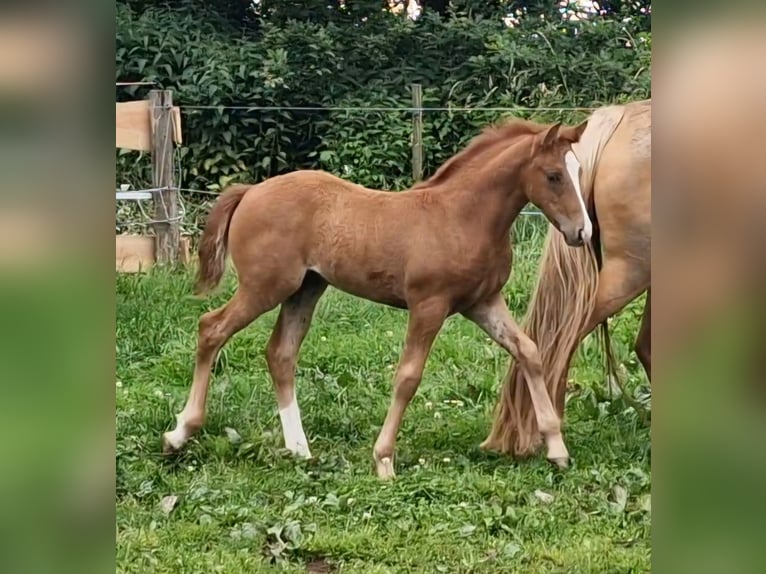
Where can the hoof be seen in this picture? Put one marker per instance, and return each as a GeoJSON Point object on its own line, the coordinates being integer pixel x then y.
{"type": "Point", "coordinates": [302, 451]}
{"type": "Point", "coordinates": [562, 462]}
{"type": "Point", "coordinates": [168, 448]}
{"type": "Point", "coordinates": [301, 454]}
{"type": "Point", "coordinates": [385, 468]}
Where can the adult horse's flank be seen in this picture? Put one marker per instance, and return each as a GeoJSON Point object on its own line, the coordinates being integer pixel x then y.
{"type": "Point", "coordinates": [578, 289]}
{"type": "Point", "coordinates": [440, 248]}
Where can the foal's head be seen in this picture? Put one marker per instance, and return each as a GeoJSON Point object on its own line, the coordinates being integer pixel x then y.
{"type": "Point", "coordinates": [551, 180]}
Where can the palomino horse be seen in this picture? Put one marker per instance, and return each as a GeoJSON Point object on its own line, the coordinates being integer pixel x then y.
{"type": "Point", "coordinates": [440, 248]}
{"type": "Point", "coordinates": [578, 289]}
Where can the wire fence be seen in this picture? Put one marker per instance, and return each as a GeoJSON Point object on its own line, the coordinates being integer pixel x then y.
{"type": "Point", "coordinates": [331, 108]}
{"type": "Point", "coordinates": [409, 109]}
{"type": "Point", "coordinates": [132, 214]}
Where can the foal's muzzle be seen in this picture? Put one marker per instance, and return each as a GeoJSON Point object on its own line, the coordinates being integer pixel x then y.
{"type": "Point", "coordinates": [574, 237]}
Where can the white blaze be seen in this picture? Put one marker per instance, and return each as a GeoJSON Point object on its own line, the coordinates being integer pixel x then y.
{"type": "Point", "coordinates": [292, 428]}
{"type": "Point", "coordinates": [573, 169]}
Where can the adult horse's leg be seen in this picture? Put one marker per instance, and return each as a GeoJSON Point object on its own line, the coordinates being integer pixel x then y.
{"type": "Point", "coordinates": [619, 282]}
{"type": "Point", "coordinates": [424, 323]}
{"type": "Point", "coordinates": [643, 343]}
{"type": "Point", "coordinates": [215, 328]}
{"type": "Point", "coordinates": [495, 319]}
{"type": "Point", "coordinates": [282, 356]}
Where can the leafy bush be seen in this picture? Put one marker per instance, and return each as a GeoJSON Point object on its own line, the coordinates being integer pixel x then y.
{"type": "Point", "coordinates": [363, 60]}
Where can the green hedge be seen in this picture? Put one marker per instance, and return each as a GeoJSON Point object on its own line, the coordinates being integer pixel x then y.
{"type": "Point", "coordinates": [460, 61]}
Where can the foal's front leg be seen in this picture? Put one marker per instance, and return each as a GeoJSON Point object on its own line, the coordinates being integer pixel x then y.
{"type": "Point", "coordinates": [425, 320]}
{"type": "Point", "coordinates": [495, 319]}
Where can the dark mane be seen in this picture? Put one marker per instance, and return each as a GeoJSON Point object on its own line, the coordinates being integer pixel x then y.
{"type": "Point", "coordinates": [488, 138]}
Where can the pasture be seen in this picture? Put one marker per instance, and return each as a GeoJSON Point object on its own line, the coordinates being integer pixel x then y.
{"type": "Point", "coordinates": [244, 505]}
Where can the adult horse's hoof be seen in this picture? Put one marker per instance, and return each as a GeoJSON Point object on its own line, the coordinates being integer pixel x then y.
{"type": "Point", "coordinates": [385, 468]}
{"type": "Point", "coordinates": [560, 462]}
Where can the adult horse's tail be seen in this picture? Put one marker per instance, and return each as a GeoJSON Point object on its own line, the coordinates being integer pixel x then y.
{"type": "Point", "coordinates": [562, 303]}
{"type": "Point", "coordinates": [213, 245]}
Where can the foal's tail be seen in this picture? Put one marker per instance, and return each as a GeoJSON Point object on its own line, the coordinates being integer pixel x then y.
{"type": "Point", "coordinates": [213, 244]}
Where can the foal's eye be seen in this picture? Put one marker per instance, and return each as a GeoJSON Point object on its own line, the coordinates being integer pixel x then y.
{"type": "Point", "coordinates": [553, 176]}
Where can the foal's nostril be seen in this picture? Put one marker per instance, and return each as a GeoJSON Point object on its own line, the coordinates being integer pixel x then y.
{"type": "Point", "coordinates": [581, 234]}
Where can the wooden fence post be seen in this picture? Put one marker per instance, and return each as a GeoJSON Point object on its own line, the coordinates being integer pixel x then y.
{"type": "Point", "coordinates": [167, 239]}
{"type": "Point", "coordinates": [417, 132]}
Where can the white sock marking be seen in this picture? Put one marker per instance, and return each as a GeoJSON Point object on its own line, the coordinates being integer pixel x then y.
{"type": "Point", "coordinates": [179, 435]}
{"type": "Point", "coordinates": [573, 169]}
{"type": "Point", "coordinates": [292, 428]}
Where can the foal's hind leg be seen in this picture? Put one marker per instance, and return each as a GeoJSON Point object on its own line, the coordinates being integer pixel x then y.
{"type": "Point", "coordinates": [495, 319]}
{"type": "Point", "coordinates": [282, 356]}
{"type": "Point", "coordinates": [215, 328]}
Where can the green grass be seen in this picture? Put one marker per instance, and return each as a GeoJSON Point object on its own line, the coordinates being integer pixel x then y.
{"type": "Point", "coordinates": [247, 506]}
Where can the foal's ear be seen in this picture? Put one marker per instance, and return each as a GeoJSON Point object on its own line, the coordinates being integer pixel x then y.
{"type": "Point", "coordinates": [550, 135]}
{"type": "Point", "coordinates": [575, 133]}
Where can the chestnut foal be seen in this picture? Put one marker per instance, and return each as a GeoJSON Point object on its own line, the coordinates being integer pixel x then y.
{"type": "Point", "coordinates": [439, 248]}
